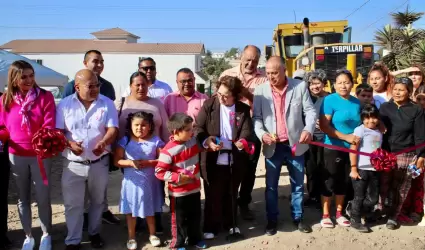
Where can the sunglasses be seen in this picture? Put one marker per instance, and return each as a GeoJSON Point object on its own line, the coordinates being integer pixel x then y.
{"type": "Point", "coordinates": [404, 80]}
{"type": "Point", "coordinates": [151, 68]}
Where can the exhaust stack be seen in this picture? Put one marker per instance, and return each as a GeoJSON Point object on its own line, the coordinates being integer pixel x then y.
{"type": "Point", "coordinates": [306, 33]}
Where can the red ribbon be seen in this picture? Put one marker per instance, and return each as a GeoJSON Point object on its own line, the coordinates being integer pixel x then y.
{"type": "Point", "coordinates": [380, 159]}
{"type": "Point", "coordinates": [47, 143]}
{"type": "Point", "coordinates": [248, 147]}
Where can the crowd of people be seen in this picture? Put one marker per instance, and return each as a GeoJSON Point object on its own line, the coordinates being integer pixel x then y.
{"type": "Point", "coordinates": [158, 137]}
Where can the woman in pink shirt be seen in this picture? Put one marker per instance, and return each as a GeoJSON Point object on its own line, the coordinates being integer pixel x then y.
{"type": "Point", "coordinates": [24, 109]}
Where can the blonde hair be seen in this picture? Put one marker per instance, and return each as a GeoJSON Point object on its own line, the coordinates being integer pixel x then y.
{"type": "Point", "coordinates": [13, 76]}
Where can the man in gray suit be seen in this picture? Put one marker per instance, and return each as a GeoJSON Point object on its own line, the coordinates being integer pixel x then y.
{"type": "Point", "coordinates": [279, 106]}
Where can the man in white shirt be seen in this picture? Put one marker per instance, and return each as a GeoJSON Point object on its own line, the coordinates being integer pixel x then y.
{"type": "Point", "coordinates": [157, 89]}
{"type": "Point", "coordinates": [90, 123]}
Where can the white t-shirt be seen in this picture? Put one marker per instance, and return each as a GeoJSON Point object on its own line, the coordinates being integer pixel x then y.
{"type": "Point", "coordinates": [380, 98]}
{"type": "Point", "coordinates": [226, 117]}
{"type": "Point", "coordinates": [370, 141]}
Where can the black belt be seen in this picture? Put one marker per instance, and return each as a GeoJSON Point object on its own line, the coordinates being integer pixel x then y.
{"type": "Point", "coordinates": [90, 162]}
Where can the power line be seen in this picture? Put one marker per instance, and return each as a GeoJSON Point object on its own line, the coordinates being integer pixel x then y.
{"type": "Point", "coordinates": [379, 19]}
{"type": "Point", "coordinates": [137, 28]}
{"type": "Point", "coordinates": [354, 11]}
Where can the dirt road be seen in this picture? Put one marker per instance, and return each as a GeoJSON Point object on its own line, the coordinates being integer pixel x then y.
{"type": "Point", "coordinates": [407, 237]}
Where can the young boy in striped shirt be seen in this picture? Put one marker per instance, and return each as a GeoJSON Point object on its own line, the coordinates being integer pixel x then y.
{"type": "Point", "coordinates": [178, 164]}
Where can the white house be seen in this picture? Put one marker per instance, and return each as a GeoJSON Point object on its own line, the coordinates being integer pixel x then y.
{"type": "Point", "coordinates": [121, 53]}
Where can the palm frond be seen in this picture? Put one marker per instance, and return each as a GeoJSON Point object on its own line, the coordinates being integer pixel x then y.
{"type": "Point", "coordinates": [403, 19]}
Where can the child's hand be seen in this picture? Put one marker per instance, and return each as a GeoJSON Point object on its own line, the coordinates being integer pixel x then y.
{"type": "Point", "coordinates": [136, 164]}
{"type": "Point", "coordinates": [355, 175]}
{"type": "Point", "coordinates": [185, 179]}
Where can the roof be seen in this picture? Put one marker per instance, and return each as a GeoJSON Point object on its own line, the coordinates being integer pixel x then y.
{"type": "Point", "coordinates": [83, 45]}
{"type": "Point", "coordinates": [113, 33]}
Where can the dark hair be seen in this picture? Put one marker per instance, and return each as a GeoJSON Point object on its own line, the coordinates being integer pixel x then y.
{"type": "Point", "coordinates": [184, 70]}
{"type": "Point", "coordinates": [136, 74]}
{"type": "Point", "coordinates": [92, 51]}
{"type": "Point", "coordinates": [369, 111]}
{"type": "Point", "coordinates": [178, 121]}
{"type": "Point", "coordinates": [344, 72]}
{"type": "Point", "coordinates": [364, 87]}
{"type": "Point", "coordinates": [385, 72]}
{"type": "Point", "coordinates": [233, 84]}
{"type": "Point", "coordinates": [146, 59]}
{"type": "Point", "coordinates": [420, 90]}
{"type": "Point", "coordinates": [407, 82]}
{"type": "Point", "coordinates": [139, 115]}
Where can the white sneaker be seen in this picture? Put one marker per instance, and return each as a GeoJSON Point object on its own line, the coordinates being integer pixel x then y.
{"type": "Point", "coordinates": [132, 245]}
{"type": "Point", "coordinates": [422, 223]}
{"type": "Point", "coordinates": [236, 230]}
{"type": "Point", "coordinates": [45, 243]}
{"type": "Point", "coordinates": [155, 241]}
{"type": "Point", "coordinates": [28, 244]}
{"type": "Point", "coordinates": [209, 236]}
{"type": "Point", "coordinates": [165, 208]}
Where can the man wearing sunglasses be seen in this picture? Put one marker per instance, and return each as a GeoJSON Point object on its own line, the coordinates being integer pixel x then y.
{"type": "Point", "coordinates": [157, 89]}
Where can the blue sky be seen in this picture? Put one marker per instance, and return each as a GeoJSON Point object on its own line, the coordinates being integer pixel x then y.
{"type": "Point", "coordinates": [246, 22]}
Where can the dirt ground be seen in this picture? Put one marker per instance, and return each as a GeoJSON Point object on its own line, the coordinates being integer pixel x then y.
{"type": "Point", "coordinates": [115, 236]}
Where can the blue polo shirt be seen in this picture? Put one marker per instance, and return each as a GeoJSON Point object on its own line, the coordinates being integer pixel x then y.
{"type": "Point", "coordinates": [345, 116]}
{"type": "Point", "coordinates": [106, 89]}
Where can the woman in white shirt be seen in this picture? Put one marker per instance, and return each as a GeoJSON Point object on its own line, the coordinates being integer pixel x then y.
{"type": "Point", "coordinates": [381, 81]}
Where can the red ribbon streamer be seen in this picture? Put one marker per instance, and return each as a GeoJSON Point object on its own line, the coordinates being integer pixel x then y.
{"type": "Point", "coordinates": [250, 149]}
{"type": "Point", "coordinates": [47, 143]}
{"type": "Point", "coordinates": [380, 159]}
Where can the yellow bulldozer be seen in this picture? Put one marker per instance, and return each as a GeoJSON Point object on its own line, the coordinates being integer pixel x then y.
{"type": "Point", "coordinates": [322, 45]}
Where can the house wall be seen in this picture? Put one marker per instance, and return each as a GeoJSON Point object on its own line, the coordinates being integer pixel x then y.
{"type": "Point", "coordinates": [119, 67]}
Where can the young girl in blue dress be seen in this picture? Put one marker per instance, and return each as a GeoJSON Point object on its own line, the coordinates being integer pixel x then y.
{"type": "Point", "coordinates": [141, 195]}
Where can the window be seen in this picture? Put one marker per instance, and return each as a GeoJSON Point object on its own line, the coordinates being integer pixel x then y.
{"type": "Point", "coordinates": [39, 61]}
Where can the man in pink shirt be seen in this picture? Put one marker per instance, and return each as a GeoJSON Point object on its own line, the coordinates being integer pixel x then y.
{"type": "Point", "coordinates": [186, 99]}
{"type": "Point", "coordinates": [250, 77]}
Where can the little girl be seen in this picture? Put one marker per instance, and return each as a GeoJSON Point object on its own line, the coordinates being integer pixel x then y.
{"type": "Point", "coordinates": [365, 179]}
{"type": "Point", "coordinates": [141, 195]}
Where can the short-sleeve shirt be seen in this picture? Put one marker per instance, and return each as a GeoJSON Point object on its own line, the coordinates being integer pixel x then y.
{"type": "Point", "coordinates": [106, 88]}
{"type": "Point", "coordinates": [345, 116]}
{"type": "Point", "coordinates": [146, 150]}
{"type": "Point", "coordinates": [84, 125]}
{"type": "Point", "coordinates": [370, 141]}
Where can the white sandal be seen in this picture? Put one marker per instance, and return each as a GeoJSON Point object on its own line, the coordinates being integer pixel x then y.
{"type": "Point", "coordinates": [155, 241]}
{"type": "Point", "coordinates": [343, 222]}
{"type": "Point", "coordinates": [327, 223]}
{"type": "Point", "coordinates": [132, 244]}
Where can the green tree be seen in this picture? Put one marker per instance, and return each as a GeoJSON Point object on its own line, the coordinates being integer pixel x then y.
{"type": "Point", "coordinates": [213, 67]}
{"type": "Point", "coordinates": [232, 53]}
{"type": "Point", "coordinates": [404, 44]}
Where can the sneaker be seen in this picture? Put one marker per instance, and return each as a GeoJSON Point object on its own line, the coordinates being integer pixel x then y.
{"type": "Point", "coordinates": [165, 208]}
{"type": "Point", "coordinates": [327, 223]}
{"type": "Point", "coordinates": [271, 228]}
{"type": "Point", "coordinates": [96, 241]}
{"type": "Point", "coordinates": [132, 244]}
{"type": "Point", "coordinates": [302, 226]}
{"type": "Point", "coordinates": [201, 245]}
{"type": "Point", "coordinates": [391, 224]}
{"type": "Point", "coordinates": [46, 242]}
{"type": "Point", "coordinates": [155, 241]}
{"type": "Point", "coordinates": [343, 221]}
{"type": "Point", "coordinates": [109, 218]}
{"type": "Point", "coordinates": [209, 236]}
{"type": "Point", "coordinates": [28, 243]}
{"type": "Point", "coordinates": [234, 230]}
{"type": "Point", "coordinates": [359, 226]}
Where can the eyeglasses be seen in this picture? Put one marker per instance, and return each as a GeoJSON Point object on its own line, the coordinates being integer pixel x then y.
{"type": "Point", "coordinates": [223, 96]}
{"type": "Point", "coordinates": [93, 86]}
{"type": "Point", "coordinates": [185, 81]}
{"type": "Point", "coordinates": [151, 68]}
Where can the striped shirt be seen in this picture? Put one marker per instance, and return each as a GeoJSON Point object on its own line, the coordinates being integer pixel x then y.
{"type": "Point", "coordinates": [175, 158]}
{"type": "Point", "coordinates": [248, 81]}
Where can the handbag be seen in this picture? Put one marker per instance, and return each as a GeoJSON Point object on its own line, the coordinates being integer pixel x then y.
{"type": "Point", "coordinates": [112, 166]}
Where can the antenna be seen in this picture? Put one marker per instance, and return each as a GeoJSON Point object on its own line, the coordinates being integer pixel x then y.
{"type": "Point", "coordinates": [295, 17]}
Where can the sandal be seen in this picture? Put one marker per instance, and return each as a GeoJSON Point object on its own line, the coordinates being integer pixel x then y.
{"type": "Point", "coordinates": [132, 244]}
{"type": "Point", "coordinates": [327, 223]}
{"type": "Point", "coordinates": [342, 221]}
{"type": "Point", "coordinates": [155, 241]}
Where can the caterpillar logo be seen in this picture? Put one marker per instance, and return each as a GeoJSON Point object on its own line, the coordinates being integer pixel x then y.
{"type": "Point", "coordinates": [343, 49]}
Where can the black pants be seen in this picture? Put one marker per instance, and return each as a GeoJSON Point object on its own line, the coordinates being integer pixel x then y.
{"type": "Point", "coordinates": [218, 212]}
{"type": "Point", "coordinates": [4, 188]}
{"type": "Point", "coordinates": [248, 180]}
{"type": "Point", "coordinates": [366, 193]}
{"type": "Point", "coordinates": [185, 220]}
{"type": "Point", "coordinates": [336, 174]}
{"type": "Point", "coordinates": [314, 162]}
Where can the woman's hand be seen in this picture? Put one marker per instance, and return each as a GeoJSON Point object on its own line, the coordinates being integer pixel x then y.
{"type": "Point", "coordinates": [352, 139]}
{"type": "Point", "coordinates": [211, 143]}
{"type": "Point", "coordinates": [420, 163]}
{"type": "Point", "coordinates": [136, 164]}
{"type": "Point", "coordinates": [76, 147]}
{"type": "Point", "coordinates": [354, 174]}
{"type": "Point", "coordinates": [239, 145]}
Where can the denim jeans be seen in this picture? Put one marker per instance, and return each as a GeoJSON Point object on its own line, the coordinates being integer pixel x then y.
{"type": "Point", "coordinates": [295, 165]}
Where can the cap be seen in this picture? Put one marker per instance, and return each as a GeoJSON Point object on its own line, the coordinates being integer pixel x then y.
{"type": "Point", "coordinates": [299, 73]}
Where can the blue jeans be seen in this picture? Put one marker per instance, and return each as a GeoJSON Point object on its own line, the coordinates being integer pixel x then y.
{"type": "Point", "coordinates": [295, 166]}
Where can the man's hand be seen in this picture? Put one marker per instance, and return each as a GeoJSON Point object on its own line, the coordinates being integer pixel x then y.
{"type": "Point", "coordinates": [269, 139]}
{"type": "Point", "coordinates": [305, 137]}
{"type": "Point", "coordinates": [185, 179]}
{"type": "Point", "coordinates": [76, 148]}
{"type": "Point", "coordinates": [211, 143]}
{"type": "Point", "coordinates": [99, 148]}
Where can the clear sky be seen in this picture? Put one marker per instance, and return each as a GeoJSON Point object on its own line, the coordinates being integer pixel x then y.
{"type": "Point", "coordinates": [219, 24]}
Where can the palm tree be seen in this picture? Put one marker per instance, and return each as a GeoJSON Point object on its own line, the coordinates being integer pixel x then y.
{"type": "Point", "coordinates": [405, 45]}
